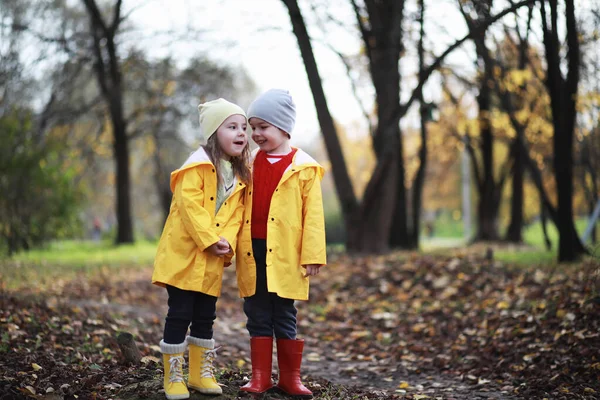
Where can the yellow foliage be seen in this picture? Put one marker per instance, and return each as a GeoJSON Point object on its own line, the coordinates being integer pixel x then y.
{"type": "Point", "coordinates": [169, 88]}
{"type": "Point", "coordinates": [360, 159]}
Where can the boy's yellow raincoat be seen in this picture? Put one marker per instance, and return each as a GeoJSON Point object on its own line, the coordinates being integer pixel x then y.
{"type": "Point", "coordinates": [192, 226]}
{"type": "Point", "coordinates": [295, 232]}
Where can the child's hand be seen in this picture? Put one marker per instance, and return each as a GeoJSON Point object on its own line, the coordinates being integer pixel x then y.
{"type": "Point", "coordinates": [224, 244]}
{"type": "Point", "coordinates": [220, 248]}
{"type": "Point", "coordinates": [311, 269]}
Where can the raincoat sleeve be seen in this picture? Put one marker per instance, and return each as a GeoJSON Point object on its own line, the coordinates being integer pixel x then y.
{"type": "Point", "coordinates": [189, 196]}
{"type": "Point", "coordinates": [233, 227]}
{"type": "Point", "coordinates": [313, 250]}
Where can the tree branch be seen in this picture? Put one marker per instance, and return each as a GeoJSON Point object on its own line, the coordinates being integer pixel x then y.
{"type": "Point", "coordinates": [472, 33]}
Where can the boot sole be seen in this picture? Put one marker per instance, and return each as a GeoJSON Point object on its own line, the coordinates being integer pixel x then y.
{"type": "Point", "coordinates": [206, 391]}
{"type": "Point", "coordinates": [177, 396]}
{"type": "Point", "coordinates": [293, 396]}
{"type": "Point", "coordinates": [252, 392]}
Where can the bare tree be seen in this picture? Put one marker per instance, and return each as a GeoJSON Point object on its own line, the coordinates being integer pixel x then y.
{"type": "Point", "coordinates": [381, 219]}
{"type": "Point", "coordinates": [489, 190]}
{"type": "Point", "coordinates": [108, 74]}
{"type": "Point", "coordinates": [425, 110]}
{"type": "Point", "coordinates": [160, 94]}
{"type": "Point", "coordinates": [341, 177]}
{"type": "Point", "coordinates": [563, 92]}
{"type": "Point", "coordinates": [514, 55]}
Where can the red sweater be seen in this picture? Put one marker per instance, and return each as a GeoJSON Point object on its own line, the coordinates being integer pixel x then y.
{"type": "Point", "coordinates": [265, 178]}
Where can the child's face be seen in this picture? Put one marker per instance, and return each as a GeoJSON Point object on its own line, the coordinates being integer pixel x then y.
{"type": "Point", "coordinates": [231, 135]}
{"type": "Point", "coordinates": [269, 138]}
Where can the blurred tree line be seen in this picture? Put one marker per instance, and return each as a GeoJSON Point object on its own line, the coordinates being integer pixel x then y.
{"type": "Point", "coordinates": [90, 122]}
{"type": "Point", "coordinates": [535, 120]}
{"type": "Point", "coordinates": [87, 117]}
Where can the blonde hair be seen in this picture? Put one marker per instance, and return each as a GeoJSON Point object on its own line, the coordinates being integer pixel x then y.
{"type": "Point", "coordinates": [240, 164]}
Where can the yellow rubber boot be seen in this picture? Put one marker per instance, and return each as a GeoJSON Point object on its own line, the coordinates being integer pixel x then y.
{"type": "Point", "coordinates": [202, 354]}
{"type": "Point", "coordinates": [173, 363]}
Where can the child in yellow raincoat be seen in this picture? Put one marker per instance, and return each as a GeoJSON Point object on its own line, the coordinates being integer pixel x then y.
{"type": "Point", "coordinates": [281, 244]}
{"type": "Point", "coordinates": [198, 241]}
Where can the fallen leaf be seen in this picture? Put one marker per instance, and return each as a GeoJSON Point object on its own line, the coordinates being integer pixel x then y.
{"type": "Point", "coordinates": [503, 305]}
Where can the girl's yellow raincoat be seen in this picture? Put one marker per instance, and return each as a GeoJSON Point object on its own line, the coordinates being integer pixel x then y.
{"type": "Point", "coordinates": [192, 226]}
{"type": "Point", "coordinates": [295, 232]}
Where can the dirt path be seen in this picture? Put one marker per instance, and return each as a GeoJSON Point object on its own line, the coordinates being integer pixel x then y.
{"type": "Point", "coordinates": [400, 326]}
{"type": "Point", "coordinates": [320, 361]}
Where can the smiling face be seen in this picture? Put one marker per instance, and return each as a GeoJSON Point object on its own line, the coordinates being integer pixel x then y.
{"type": "Point", "coordinates": [231, 135]}
{"type": "Point", "coordinates": [269, 138]}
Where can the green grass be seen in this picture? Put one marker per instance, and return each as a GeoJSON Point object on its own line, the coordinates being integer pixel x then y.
{"type": "Point", "coordinates": [446, 226]}
{"type": "Point", "coordinates": [526, 257]}
{"type": "Point", "coordinates": [81, 253]}
{"type": "Point", "coordinates": [533, 236]}
{"type": "Point", "coordinates": [65, 259]}
{"type": "Point", "coordinates": [533, 252]}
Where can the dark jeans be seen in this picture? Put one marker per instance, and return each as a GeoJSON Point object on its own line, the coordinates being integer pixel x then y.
{"type": "Point", "coordinates": [185, 308]}
{"type": "Point", "coordinates": [268, 313]}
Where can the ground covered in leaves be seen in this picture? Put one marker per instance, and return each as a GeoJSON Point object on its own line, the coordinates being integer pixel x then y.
{"type": "Point", "coordinates": [401, 326]}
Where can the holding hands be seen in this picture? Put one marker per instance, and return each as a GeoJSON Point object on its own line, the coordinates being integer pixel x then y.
{"type": "Point", "coordinates": [220, 249]}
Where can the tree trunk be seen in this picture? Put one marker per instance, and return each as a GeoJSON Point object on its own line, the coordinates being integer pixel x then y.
{"type": "Point", "coordinates": [371, 234]}
{"type": "Point", "coordinates": [400, 236]}
{"type": "Point", "coordinates": [383, 40]}
{"type": "Point", "coordinates": [515, 228]}
{"type": "Point", "coordinates": [568, 239]}
{"type": "Point", "coordinates": [108, 75]}
{"type": "Point", "coordinates": [487, 190]}
{"type": "Point", "coordinates": [593, 234]}
{"type": "Point", "coordinates": [417, 187]}
{"type": "Point", "coordinates": [563, 96]}
{"type": "Point", "coordinates": [343, 183]}
{"type": "Point", "coordinates": [161, 178]}
{"type": "Point", "coordinates": [487, 204]}
{"type": "Point", "coordinates": [121, 156]}
{"type": "Point", "coordinates": [588, 173]}
{"type": "Point", "coordinates": [544, 221]}
{"type": "Point", "coordinates": [397, 235]}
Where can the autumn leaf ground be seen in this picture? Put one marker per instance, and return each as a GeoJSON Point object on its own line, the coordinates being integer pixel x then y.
{"type": "Point", "coordinates": [403, 326]}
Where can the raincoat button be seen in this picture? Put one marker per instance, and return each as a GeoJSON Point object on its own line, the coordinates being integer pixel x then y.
{"type": "Point", "coordinates": [213, 170]}
{"type": "Point", "coordinates": [277, 190]}
{"type": "Point", "coordinates": [272, 219]}
{"type": "Point", "coordinates": [247, 221]}
{"type": "Point", "coordinates": [270, 250]}
{"type": "Point", "coordinates": [217, 224]}
{"type": "Point", "coordinates": [249, 253]}
{"type": "Point", "coordinates": [212, 198]}
{"type": "Point", "coordinates": [250, 193]}
{"type": "Point", "coordinates": [240, 183]}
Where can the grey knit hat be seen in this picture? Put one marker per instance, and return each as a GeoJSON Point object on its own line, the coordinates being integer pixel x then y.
{"type": "Point", "coordinates": [277, 107]}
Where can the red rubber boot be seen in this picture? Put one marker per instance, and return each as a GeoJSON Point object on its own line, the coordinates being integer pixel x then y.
{"type": "Point", "coordinates": [289, 358]}
{"type": "Point", "coordinates": [261, 354]}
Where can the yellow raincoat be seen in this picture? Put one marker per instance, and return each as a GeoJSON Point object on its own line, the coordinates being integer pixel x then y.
{"type": "Point", "coordinates": [192, 226]}
{"type": "Point", "coordinates": [295, 232]}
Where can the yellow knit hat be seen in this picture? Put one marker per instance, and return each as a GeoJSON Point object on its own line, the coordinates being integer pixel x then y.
{"type": "Point", "coordinates": [213, 113]}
